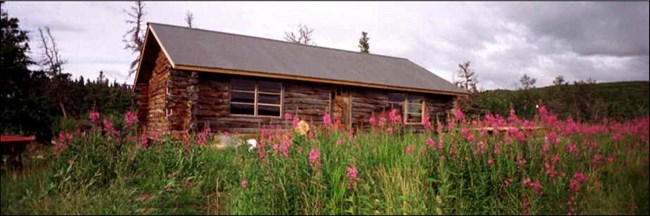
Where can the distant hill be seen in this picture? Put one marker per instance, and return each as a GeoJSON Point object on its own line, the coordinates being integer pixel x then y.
{"type": "Point", "coordinates": [586, 101]}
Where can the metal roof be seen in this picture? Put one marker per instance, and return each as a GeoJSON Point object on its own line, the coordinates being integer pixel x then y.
{"type": "Point", "coordinates": [210, 49]}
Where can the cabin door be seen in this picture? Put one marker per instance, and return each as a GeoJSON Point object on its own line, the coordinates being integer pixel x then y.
{"type": "Point", "coordinates": [342, 106]}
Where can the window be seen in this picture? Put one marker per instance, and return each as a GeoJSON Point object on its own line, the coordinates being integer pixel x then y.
{"type": "Point", "coordinates": [409, 105]}
{"type": "Point", "coordinates": [413, 112]}
{"type": "Point", "coordinates": [255, 98]}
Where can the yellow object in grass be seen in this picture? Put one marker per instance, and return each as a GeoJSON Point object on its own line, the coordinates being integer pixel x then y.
{"type": "Point", "coordinates": [302, 128]}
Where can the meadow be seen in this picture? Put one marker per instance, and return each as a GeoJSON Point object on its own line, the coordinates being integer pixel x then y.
{"type": "Point", "coordinates": [546, 165]}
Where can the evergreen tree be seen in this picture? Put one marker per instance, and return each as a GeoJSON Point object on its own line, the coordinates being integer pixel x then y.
{"type": "Point", "coordinates": [363, 42]}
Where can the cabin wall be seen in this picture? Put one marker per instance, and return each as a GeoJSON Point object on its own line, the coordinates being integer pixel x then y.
{"type": "Point", "coordinates": [306, 100]}
{"type": "Point", "coordinates": [154, 106]}
{"type": "Point", "coordinates": [198, 99]}
{"type": "Point", "coordinates": [366, 102]}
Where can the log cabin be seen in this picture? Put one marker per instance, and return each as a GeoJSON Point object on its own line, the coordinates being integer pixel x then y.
{"type": "Point", "coordinates": [188, 77]}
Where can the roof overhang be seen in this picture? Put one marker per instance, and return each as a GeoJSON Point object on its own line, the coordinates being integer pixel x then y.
{"type": "Point", "coordinates": [309, 79]}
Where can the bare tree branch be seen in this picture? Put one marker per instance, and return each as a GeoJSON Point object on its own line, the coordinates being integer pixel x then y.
{"type": "Point", "coordinates": [467, 77]}
{"type": "Point", "coordinates": [54, 63]}
{"type": "Point", "coordinates": [135, 35]}
{"type": "Point", "coordinates": [189, 17]}
{"type": "Point", "coordinates": [302, 37]}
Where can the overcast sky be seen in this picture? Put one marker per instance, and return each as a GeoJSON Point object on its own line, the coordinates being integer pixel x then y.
{"type": "Point", "coordinates": [604, 41]}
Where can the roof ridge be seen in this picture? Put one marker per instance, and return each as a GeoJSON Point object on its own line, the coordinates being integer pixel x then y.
{"type": "Point", "coordinates": [274, 40]}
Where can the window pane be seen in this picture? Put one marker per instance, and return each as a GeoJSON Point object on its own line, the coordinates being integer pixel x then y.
{"type": "Point", "coordinates": [415, 99]}
{"type": "Point", "coordinates": [413, 118]}
{"type": "Point", "coordinates": [414, 107]}
{"type": "Point", "coordinates": [241, 84]}
{"type": "Point", "coordinates": [396, 97]}
{"type": "Point", "coordinates": [245, 97]}
{"type": "Point", "coordinates": [267, 98]}
{"type": "Point", "coordinates": [269, 86]}
{"type": "Point", "coordinates": [246, 109]}
{"type": "Point", "coordinates": [268, 110]}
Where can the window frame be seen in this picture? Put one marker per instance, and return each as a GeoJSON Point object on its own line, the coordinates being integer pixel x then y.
{"type": "Point", "coordinates": [255, 103]}
{"type": "Point", "coordinates": [405, 104]}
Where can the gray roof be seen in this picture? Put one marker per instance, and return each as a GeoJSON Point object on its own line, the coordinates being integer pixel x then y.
{"type": "Point", "coordinates": [211, 49]}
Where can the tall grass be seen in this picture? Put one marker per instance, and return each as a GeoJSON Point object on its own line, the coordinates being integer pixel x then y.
{"type": "Point", "coordinates": [542, 166]}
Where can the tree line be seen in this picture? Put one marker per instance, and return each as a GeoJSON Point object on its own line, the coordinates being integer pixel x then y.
{"type": "Point", "coordinates": [37, 101]}
{"type": "Point", "coordinates": [582, 100]}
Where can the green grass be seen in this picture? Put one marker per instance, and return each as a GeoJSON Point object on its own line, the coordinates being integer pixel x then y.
{"type": "Point", "coordinates": [398, 173]}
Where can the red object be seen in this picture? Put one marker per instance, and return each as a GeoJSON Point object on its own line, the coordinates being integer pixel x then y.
{"type": "Point", "coordinates": [16, 138]}
{"type": "Point", "coordinates": [14, 147]}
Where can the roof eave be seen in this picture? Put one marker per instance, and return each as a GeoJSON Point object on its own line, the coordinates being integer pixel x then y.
{"type": "Point", "coordinates": [312, 79]}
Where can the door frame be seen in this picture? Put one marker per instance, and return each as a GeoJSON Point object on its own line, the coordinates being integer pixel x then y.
{"type": "Point", "coordinates": [345, 93]}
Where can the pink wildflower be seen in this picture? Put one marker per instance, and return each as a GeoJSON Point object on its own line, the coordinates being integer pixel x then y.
{"type": "Point", "coordinates": [144, 142]}
{"type": "Point", "coordinates": [339, 142]}
{"type": "Point", "coordinates": [93, 115]}
{"type": "Point", "coordinates": [327, 120]}
{"type": "Point", "coordinates": [526, 181]}
{"type": "Point", "coordinates": [580, 177]}
{"type": "Point", "coordinates": [130, 118]}
{"type": "Point", "coordinates": [108, 128]}
{"type": "Point", "coordinates": [574, 185]}
{"type": "Point", "coordinates": [244, 183]}
{"type": "Point", "coordinates": [287, 116]}
{"type": "Point", "coordinates": [598, 159]}
{"type": "Point", "coordinates": [431, 143]}
{"type": "Point", "coordinates": [521, 161]}
{"type": "Point", "coordinates": [352, 173]}
{"type": "Point", "coordinates": [284, 148]}
{"type": "Point", "coordinates": [372, 120]}
{"type": "Point", "coordinates": [458, 114]}
{"type": "Point", "coordinates": [394, 116]}
{"type": "Point", "coordinates": [426, 122]}
{"type": "Point", "coordinates": [61, 145]}
{"type": "Point", "coordinates": [537, 186]}
{"type": "Point", "coordinates": [314, 156]}
{"type": "Point", "coordinates": [571, 148]}
{"type": "Point", "coordinates": [409, 149]}
{"type": "Point", "coordinates": [490, 161]}
{"type": "Point", "coordinates": [507, 181]}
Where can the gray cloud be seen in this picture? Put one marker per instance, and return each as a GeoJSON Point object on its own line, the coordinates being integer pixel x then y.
{"type": "Point", "coordinates": [605, 28]}
{"type": "Point", "coordinates": [602, 41]}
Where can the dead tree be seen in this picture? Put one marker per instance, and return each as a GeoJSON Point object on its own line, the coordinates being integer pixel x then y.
{"type": "Point", "coordinates": [53, 64]}
{"type": "Point", "coordinates": [467, 77]}
{"type": "Point", "coordinates": [189, 18]}
{"type": "Point", "coordinates": [135, 36]}
{"type": "Point", "coordinates": [302, 37]}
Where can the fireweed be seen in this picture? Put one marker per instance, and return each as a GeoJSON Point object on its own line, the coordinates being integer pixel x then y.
{"type": "Point", "coordinates": [544, 165]}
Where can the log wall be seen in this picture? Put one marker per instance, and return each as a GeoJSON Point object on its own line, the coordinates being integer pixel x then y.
{"type": "Point", "coordinates": [156, 95]}
{"type": "Point", "coordinates": [197, 98]}
{"type": "Point", "coordinates": [308, 101]}
{"type": "Point", "coordinates": [366, 102]}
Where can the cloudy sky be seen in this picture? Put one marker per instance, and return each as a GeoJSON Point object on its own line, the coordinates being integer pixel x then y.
{"type": "Point", "coordinates": [604, 41]}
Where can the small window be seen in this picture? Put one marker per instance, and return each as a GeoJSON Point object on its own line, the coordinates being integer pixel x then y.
{"type": "Point", "coordinates": [410, 106]}
{"type": "Point", "coordinates": [268, 110]}
{"type": "Point", "coordinates": [414, 109]}
{"type": "Point", "coordinates": [255, 98]}
{"type": "Point", "coordinates": [242, 84]}
{"type": "Point", "coordinates": [242, 109]}
{"type": "Point", "coordinates": [268, 86]}
{"type": "Point", "coordinates": [243, 97]}
{"type": "Point", "coordinates": [268, 98]}
{"type": "Point", "coordinates": [396, 101]}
